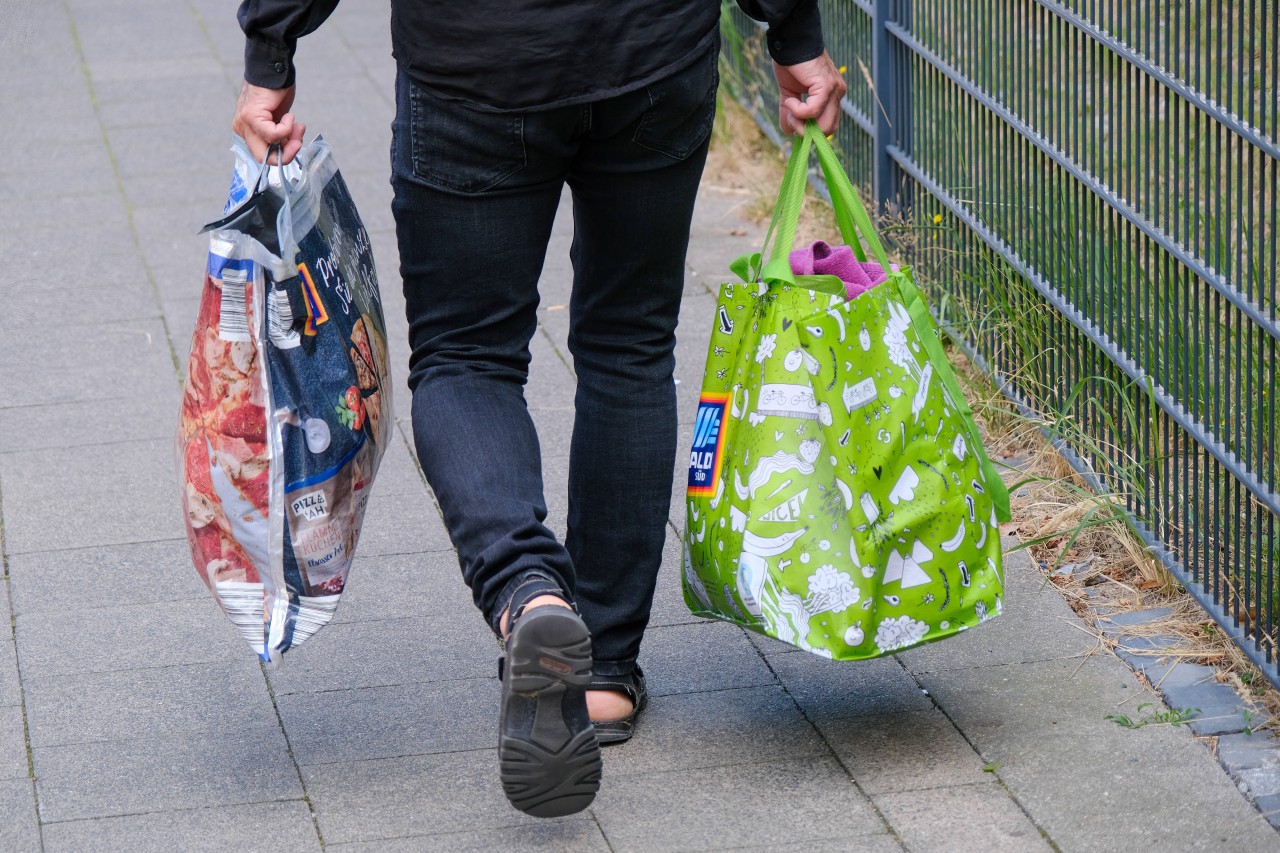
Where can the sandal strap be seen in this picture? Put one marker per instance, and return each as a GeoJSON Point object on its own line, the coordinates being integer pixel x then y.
{"type": "Point", "coordinates": [631, 684]}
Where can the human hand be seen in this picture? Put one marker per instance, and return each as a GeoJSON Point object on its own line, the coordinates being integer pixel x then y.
{"type": "Point", "coordinates": [262, 120]}
{"type": "Point", "coordinates": [822, 87]}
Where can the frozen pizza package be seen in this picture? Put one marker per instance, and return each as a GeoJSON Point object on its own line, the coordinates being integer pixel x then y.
{"type": "Point", "coordinates": [286, 408]}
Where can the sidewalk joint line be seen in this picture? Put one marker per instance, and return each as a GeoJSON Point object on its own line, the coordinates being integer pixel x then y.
{"type": "Point", "coordinates": [217, 807]}
{"type": "Point", "coordinates": [17, 666]}
{"type": "Point", "coordinates": [328, 690]}
{"type": "Point", "coordinates": [293, 758]}
{"type": "Point", "coordinates": [473, 750]}
{"type": "Point", "coordinates": [124, 197]}
{"type": "Point", "coordinates": [995, 773]}
{"type": "Point", "coordinates": [853, 780]}
{"type": "Point", "coordinates": [98, 546]}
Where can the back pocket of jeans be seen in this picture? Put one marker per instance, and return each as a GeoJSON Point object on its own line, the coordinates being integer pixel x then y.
{"type": "Point", "coordinates": [460, 148]}
{"type": "Point", "coordinates": [682, 109]}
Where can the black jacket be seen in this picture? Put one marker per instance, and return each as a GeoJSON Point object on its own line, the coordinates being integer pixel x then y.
{"type": "Point", "coordinates": [530, 54]}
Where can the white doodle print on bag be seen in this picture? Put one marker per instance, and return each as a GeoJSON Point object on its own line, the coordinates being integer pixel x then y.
{"type": "Point", "coordinates": [899, 633]}
{"type": "Point", "coordinates": [753, 563]}
{"type": "Point", "coordinates": [693, 581]}
{"type": "Point", "coordinates": [785, 615]}
{"type": "Point", "coordinates": [905, 569]}
{"type": "Point", "coordinates": [798, 358]}
{"type": "Point", "coordinates": [764, 349]}
{"type": "Point", "coordinates": [895, 340]}
{"type": "Point", "coordinates": [785, 400]}
{"type": "Point", "coordinates": [830, 591]}
{"type": "Point", "coordinates": [859, 395]}
{"type": "Point", "coordinates": [779, 462]}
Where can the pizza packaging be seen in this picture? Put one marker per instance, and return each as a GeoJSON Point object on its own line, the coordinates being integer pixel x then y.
{"type": "Point", "coordinates": [286, 407]}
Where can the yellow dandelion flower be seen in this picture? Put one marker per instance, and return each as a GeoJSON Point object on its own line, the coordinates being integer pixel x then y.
{"type": "Point", "coordinates": [937, 219]}
{"type": "Point", "coordinates": [843, 68]}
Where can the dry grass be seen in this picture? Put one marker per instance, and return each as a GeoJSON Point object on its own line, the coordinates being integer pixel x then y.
{"type": "Point", "coordinates": [1111, 571]}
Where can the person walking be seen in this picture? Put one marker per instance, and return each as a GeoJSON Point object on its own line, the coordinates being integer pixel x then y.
{"type": "Point", "coordinates": [499, 105]}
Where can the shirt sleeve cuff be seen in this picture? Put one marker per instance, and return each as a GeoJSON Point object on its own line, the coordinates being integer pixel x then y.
{"type": "Point", "coordinates": [798, 38]}
{"type": "Point", "coordinates": [268, 65]}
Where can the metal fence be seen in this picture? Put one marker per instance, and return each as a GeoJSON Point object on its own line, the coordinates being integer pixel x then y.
{"type": "Point", "coordinates": [1090, 191]}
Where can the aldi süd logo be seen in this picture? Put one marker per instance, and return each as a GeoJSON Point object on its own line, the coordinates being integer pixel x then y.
{"type": "Point", "coordinates": [708, 445]}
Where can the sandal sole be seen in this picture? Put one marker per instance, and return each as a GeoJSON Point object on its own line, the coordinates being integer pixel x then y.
{"type": "Point", "coordinates": [549, 761]}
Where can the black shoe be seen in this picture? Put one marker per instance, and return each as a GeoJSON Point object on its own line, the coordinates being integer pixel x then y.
{"type": "Point", "coordinates": [632, 684]}
{"type": "Point", "coordinates": [548, 755]}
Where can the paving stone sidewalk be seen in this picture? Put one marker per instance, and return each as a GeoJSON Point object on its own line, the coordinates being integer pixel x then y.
{"type": "Point", "coordinates": [132, 716]}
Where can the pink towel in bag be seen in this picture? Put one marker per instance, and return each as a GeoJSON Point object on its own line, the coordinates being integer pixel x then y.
{"type": "Point", "coordinates": [821, 259]}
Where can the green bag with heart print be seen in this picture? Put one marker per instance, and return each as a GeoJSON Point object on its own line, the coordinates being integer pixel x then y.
{"type": "Point", "coordinates": [839, 498]}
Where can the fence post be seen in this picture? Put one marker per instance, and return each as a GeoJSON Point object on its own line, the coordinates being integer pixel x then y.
{"type": "Point", "coordinates": [891, 80]}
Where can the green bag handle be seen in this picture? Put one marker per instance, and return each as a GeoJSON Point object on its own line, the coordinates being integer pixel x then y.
{"type": "Point", "coordinates": [857, 230]}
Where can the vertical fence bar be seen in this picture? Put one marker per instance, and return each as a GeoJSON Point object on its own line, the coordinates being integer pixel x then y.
{"type": "Point", "coordinates": [888, 72]}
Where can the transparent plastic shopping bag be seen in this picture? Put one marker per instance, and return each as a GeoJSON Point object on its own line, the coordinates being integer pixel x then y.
{"type": "Point", "coordinates": [286, 409]}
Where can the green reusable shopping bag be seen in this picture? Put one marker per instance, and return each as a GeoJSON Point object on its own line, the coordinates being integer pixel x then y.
{"type": "Point", "coordinates": [839, 495]}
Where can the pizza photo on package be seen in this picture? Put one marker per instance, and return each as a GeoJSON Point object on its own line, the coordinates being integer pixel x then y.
{"type": "Point", "coordinates": [284, 410]}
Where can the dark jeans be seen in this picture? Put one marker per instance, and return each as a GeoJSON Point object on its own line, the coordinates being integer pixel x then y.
{"type": "Point", "coordinates": [475, 196]}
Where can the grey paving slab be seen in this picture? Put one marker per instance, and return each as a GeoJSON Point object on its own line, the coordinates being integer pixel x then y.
{"type": "Point", "coordinates": [368, 801]}
{"type": "Point", "coordinates": [912, 751]}
{"type": "Point", "coordinates": [980, 816]}
{"type": "Point", "coordinates": [401, 524]}
{"type": "Point", "coordinates": [165, 702]}
{"type": "Point", "coordinates": [722, 808]}
{"type": "Point", "coordinates": [104, 577]}
{"type": "Point", "coordinates": [555, 428]}
{"type": "Point", "coordinates": [1033, 627]}
{"type": "Point", "coordinates": [87, 423]}
{"type": "Point", "coordinates": [340, 726]}
{"type": "Point", "coordinates": [105, 67]}
{"type": "Point", "coordinates": [205, 183]}
{"type": "Point", "coordinates": [374, 204]}
{"type": "Point", "coordinates": [188, 98]}
{"type": "Point", "coordinates": [401, 586]}
{"type": "Point", "coordinates": [1087, 781]}
{"type": "Point", "coordinates": [700, 656]}
{"type": "Point", "coordinates": [63, 214]}
{"type": "Point", "coordinates": [170, 233]}
{"type": "Point", "coordinates": [105, 639]}
{"type": "Point", "coordinates": [398, 473]}
{"type": "Point", "coordinates": [687, 731]}
{"type": "Point", "coordinates": [385, 652]}
{"type": "Point", "coordinates": [13, 744]}
{"type": "Point", "coordinates": [85, 362]}
{"type": "Point", "coordinates": [836, 691]}
{"type": "Point", "coordinates": [20, 828]}
{"type": "Point", "coordinates": [29, 306]}
{"type": "Point", "coordinates": [1252, 751]}
{"type": "Point", "coordinates": [120, 493]}
{"type": "Point", "coordinates": [569, 836]}
{"type": "Point", "coordinates": [94, 173]}
{"type": "Point", "coordinates": [104, 256]}
{"type": "Point", "coordinates": [283, 826]}
{"type": "Point", "coordinates": [862, 844]}
{"type": "Point", "coordinates": [204, 141]}
{"type": "Point", "coordinates": [1216, 707]}
{"type": "Point", "coordinates": [150, 774]}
